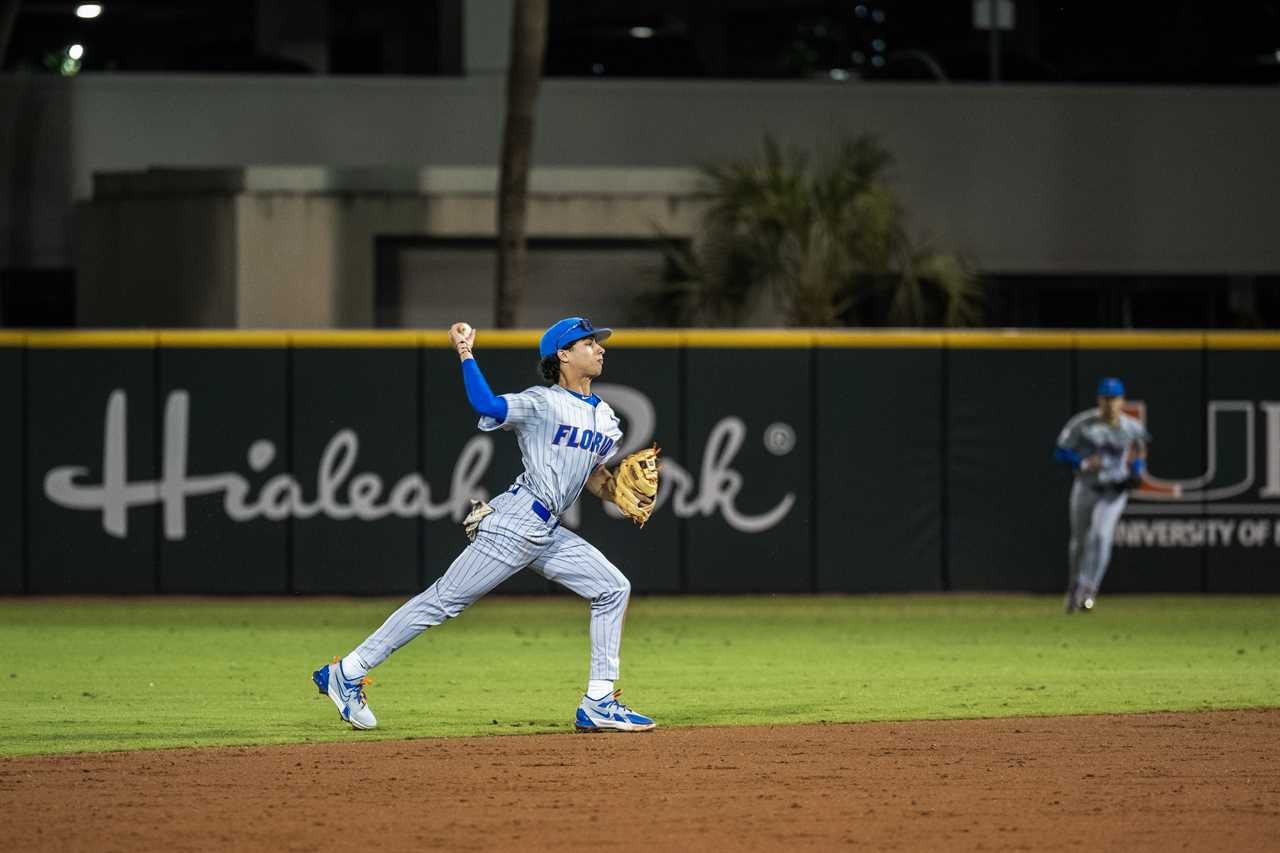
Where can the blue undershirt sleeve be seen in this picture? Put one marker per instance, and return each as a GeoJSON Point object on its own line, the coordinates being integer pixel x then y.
{"type": "Point", "coordinates": [1067, 456]}
{"type": "Point", "coordinates": [478, 394]}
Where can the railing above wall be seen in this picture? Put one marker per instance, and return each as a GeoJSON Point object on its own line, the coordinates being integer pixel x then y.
{"type": "Point", "coordinates": [656, 338]}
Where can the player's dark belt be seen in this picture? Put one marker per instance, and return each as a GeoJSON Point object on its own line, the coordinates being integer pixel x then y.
{"type": "Point", "coordinates": [1108, 489]}
{"type": "Point", "coordinates": [538, 509]}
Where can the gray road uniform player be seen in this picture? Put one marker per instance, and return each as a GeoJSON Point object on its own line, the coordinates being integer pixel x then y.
{"type": "Point", "coordinates": [565, 437]}
{"type": "Point", "coordinates": [1107, 450]}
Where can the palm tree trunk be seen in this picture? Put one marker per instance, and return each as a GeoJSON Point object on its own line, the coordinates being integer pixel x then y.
{"type": "Point", "coordinates": [528, 44]}
{"type": "Point", "coordinates": [8, 14]}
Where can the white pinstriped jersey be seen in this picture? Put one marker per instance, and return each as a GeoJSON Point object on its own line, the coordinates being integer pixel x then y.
{"type": "Point", "coordinates": [1087, 433]}
{"type": "Point", "coordinates": [563, 438]}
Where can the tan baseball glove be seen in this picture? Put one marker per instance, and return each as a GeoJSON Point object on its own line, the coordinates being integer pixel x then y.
{"type": "Point", "coordinates": [635, 487]}
{"type": "Point", "coordinates": [471, 524]}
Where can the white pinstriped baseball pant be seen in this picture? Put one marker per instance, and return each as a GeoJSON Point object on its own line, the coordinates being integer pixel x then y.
{"type": "Point", "coordinates": [509, 540]}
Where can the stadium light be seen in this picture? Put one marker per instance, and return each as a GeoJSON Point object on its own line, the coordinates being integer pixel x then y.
{"type": "Point", "coordinates": [88, 10]}
{"type": "Point", "coordinates": [642, 32]}
{"type": "Point", "coordinates": [76, 51]}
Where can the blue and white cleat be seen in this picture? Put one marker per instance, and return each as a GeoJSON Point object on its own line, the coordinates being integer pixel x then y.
{"type": "Point", "coordinates": [610, 715]}
{"type": "Point", "coordinates": [347, 695]}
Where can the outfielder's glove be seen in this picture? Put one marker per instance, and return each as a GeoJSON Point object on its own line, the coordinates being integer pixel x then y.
{"type": "Point", "coordinates": [471, 524]}
{"type": "Point", "coordinates": [635, 487]}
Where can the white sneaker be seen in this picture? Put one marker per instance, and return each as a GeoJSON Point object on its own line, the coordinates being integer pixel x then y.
{"type": "Point", "coordinates": [609, 715]}
{"type": "Point", "coordinates": [347, 695]}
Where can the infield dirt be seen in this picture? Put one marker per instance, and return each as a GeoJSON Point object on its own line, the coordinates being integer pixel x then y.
{"type": "Point", "coordinates": [1206, 781]}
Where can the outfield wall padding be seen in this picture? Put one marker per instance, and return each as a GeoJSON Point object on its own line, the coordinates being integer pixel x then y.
{"type": "Point", "coordinates": [230, 409]}
{"type": "Point", "coordinates": [751, 439]}
{"type": "Point", "coordinates": [91, 429]}
{"type": "Point", "coordinates": [850, 461]}
{"type": "Point", "coordinates": [12, 526]}
{"type": "Point", "coordinates": [879, 462]}
{"type": "Point", "coordinates": [1234, 376]}
{"type": "Point", "coordinates": [1006, 503]}
{"type": "Point", "coordinates": [354, 411]}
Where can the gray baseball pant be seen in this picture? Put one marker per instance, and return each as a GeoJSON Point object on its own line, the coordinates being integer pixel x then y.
{"type": "Point", "coordinates": [1094, 515]}
{"type": "Point", "coordinates": [509, 540]}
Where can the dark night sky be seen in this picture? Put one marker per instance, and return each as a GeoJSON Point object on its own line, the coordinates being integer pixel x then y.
{"type": "Point", "coordinates": [1136, 41]}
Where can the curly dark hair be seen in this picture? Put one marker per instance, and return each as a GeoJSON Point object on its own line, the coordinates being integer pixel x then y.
{"type": "Point", "coordinates": [549, 367]}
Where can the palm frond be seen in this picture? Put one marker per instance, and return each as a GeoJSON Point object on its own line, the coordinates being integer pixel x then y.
{"type": "Point", "coordinates": [816, 235]}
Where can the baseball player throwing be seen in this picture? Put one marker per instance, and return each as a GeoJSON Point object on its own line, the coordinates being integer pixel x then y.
{"type": "Point", "coordinates": [1107, 449]}
{"type": "Point", "coordinates": [566, 436]}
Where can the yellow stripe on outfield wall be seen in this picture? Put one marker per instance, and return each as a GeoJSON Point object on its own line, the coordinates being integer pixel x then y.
{"type": "Point", "coordinates": [530, 338]}
{"type": "Point", "coordinates": [877, 339]}
{"type": "Point", "coordinates": [749, 338]}
{"type": "Point", "coordinates": [91, 339]}
{"type": "Point", "coordinates": [485, 339]}
{"type": "Point", "coordinates": [222, 338]}
{"type": "Point", "coordinates": [1242, 340]}
{"type": "Point", "coordinates": [1007, 339]}
{"type": "Point", "coordinates": [1139, 340]}
{"type": "Point", "coordinates": [354, 338]}
{"type": "Point", "coordinates": [655, 338]}
{"type": "Point", "coordinates": [642, 338]}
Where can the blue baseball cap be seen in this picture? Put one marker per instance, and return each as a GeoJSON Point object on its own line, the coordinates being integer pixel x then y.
{"type": "Point", "coordinates": [1110, 387]}
{"type": "Point", "coordinates": [566, 331]}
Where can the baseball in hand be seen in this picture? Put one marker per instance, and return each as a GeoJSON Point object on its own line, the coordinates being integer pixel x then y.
{"type": "Point", "coordinates": [460, 333]}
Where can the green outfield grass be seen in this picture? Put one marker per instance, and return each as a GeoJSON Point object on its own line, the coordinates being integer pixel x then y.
{"type": "Point", "coordinates": [110, 674]}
